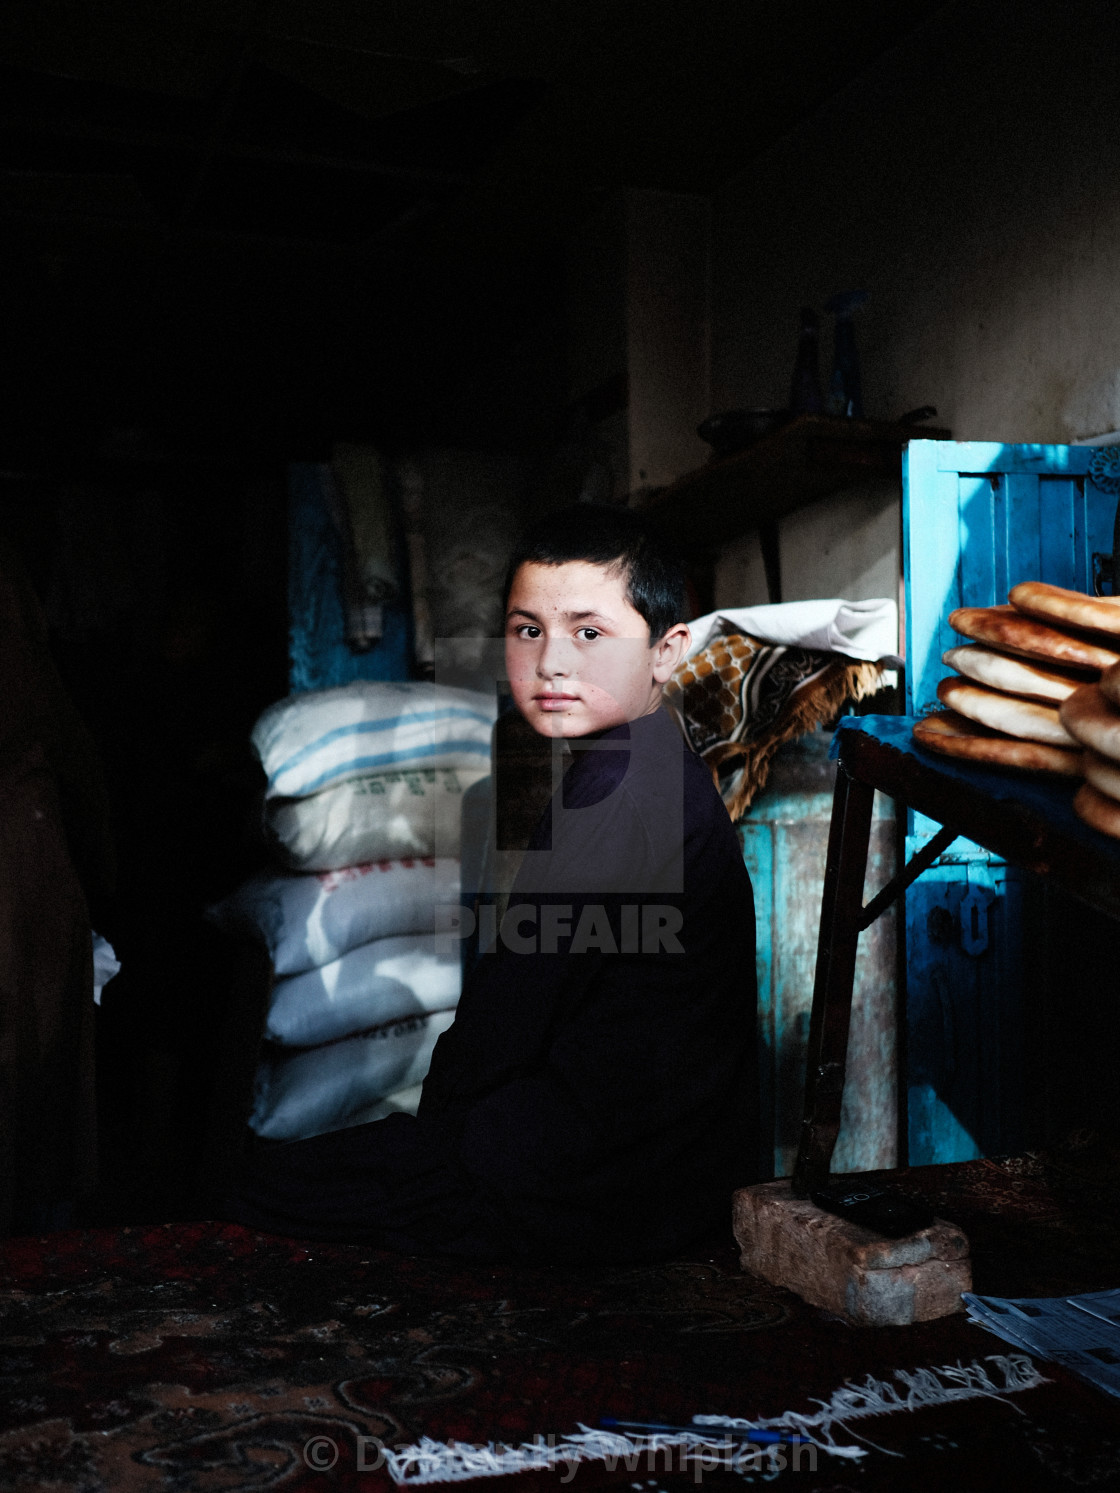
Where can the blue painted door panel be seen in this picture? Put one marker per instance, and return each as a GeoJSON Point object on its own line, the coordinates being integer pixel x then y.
{"type": "Point", "coordinates": [978, 517]}
{"type": "Point", "coordinates": [758, 853]}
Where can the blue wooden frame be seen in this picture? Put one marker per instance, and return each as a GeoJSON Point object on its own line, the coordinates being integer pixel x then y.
{"type": "Point", "coordinates": [977, 518]}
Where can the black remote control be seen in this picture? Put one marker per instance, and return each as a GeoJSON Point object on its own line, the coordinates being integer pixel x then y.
{"type": "Point", "coordinates": [892, 1214]}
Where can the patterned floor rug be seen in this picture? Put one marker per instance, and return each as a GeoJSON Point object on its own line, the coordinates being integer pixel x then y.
{"type": "Point", "coordinates": [203, 1357]}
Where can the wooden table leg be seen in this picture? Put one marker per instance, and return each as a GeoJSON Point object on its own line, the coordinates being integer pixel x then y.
{"type": "Point", "coordinates": [841, 920]}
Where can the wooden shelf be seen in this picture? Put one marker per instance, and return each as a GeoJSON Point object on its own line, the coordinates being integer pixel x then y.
{"type": "Point", "coordinates": [811, 457]}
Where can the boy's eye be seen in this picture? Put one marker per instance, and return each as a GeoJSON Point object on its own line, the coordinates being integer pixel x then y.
{"type": "Point", "coordinates": [527, 630]}
{"type": "Point", "coordinates": [588, 634]}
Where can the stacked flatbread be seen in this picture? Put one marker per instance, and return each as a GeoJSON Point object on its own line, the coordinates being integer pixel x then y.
{"type": "Point", "coordinates": [1092, 716]}
{"type": "Point", "coordinates": [1023, 663]}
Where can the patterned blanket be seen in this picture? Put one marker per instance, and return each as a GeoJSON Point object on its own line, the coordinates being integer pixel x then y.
{"type": "Point", "coordinates": [739, 699]}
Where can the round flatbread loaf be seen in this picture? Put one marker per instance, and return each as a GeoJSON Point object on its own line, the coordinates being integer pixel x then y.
{"type": "Point", "coordinates": [1025, 719]}
{"type": "Point", "coordinates": [1101, 812]}
{"type": "Point", "coordinates": [955, 736]}
{"type": "Point", "coordinates": [1064, 608]}
{"type": "Point", "coordinates": [1014, 632]}
{"type": "Point", "coordinates": [1015, 676]}
{"type": "Point", "coordinates": [1103, 774]}
{"type": "Point", "coordinates": [1110, 684]}
{"type": "Point", "coordinates": [1093, 720]}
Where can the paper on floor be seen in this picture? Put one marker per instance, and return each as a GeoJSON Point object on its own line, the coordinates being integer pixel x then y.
{"type": "Point", "coordinates": [1082, 1333]}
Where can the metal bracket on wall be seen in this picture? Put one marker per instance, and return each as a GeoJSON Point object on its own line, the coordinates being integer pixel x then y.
{"type": "Point", "coordinates": [770, 545]}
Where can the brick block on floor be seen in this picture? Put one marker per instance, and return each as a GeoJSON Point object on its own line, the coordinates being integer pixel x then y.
{"type": "Point", "coordinates": [832, 1263]}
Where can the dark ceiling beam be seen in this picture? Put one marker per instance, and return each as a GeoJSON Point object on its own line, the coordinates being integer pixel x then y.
{"type": "Point", "coordinates": [221, 112]}
{"type": "Point", "coordinates": [192, 232]}
{"type": "Point", "coordinates": [187, 145]}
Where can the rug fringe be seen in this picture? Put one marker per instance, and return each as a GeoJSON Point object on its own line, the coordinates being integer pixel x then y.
{"type": "Point", "coordinates": [923, 1387]}
{"type": "Point", "coordinates": [453, 1462]}
{"type": "Point", "coordinates": [431, 1461]}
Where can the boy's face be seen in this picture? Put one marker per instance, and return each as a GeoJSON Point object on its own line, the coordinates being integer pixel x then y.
{"type": "Point", "coordinates": [578, 654]}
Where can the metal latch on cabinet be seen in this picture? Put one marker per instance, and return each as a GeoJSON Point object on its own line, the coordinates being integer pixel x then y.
{"type": "Point", "coordinates": [1104, 470]}
{"type": "Point", "coordinates": [974, 908]}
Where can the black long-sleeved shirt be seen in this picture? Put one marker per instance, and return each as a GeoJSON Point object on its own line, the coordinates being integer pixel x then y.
{"type": "Point", "coordinates": [606, 1090]}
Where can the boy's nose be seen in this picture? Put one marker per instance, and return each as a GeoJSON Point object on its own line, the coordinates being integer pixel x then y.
{"type": "Point", "coordinates": [555, 658]}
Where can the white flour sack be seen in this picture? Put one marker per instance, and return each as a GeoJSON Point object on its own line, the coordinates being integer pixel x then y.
{"type": "Point", "coordinates": [325, 1088]}
{"type": "Point", "coordinates": [382, 981]}
{"type": "Point", "coordinates": [314, 741]}
{"type": "Point", "coordinates": [383, 816]}
{"type": "Point", "coordinates": [306, 921]}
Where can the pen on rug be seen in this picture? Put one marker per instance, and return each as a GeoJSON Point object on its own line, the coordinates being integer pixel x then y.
{"type": "Point", "coordinates": [759, 1438]}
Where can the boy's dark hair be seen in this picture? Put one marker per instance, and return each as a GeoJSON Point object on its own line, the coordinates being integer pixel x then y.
{"type": "Point", "coordinates": [617, 538]}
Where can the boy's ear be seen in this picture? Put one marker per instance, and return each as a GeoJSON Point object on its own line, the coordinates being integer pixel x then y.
{"type": "Point", "coordinates": [669, 650]}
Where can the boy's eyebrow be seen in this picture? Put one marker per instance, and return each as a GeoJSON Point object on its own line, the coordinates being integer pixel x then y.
{"type": "Point", "coordinates": [568, 616]}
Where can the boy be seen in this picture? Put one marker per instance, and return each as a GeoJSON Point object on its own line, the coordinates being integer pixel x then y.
{"type": "Point", "coordinates": [594, 1098]}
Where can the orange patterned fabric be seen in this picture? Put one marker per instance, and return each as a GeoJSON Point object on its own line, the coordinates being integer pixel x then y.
{"type": "Point", "coordinates": [738, 699]}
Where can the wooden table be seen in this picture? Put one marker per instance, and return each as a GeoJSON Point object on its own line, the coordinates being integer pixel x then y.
{"type": "Point", "coordinates": [1027, 820]}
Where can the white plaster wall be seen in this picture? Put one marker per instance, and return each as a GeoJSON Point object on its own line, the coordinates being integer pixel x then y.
{"type": "Point", "coordinates": [849, 546]}
{"type": "Point", "coordinates": [637, 304]}
{"type": "Point", "coordinates": [667, 334]}
{"type": "Point", "coordinates": [970, 181]}
{"type": "Point", "coordinates": [740, 577]}
{"type": "Point", "coordinates": [595, 305]}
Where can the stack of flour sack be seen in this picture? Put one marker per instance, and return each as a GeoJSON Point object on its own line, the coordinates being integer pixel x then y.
{"type": "Point", "coordinates": [1038, 687]}
{"type": "Point", "coordinates": [365, 789]}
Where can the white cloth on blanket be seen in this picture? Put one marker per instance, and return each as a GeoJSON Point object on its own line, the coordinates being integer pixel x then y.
{"type": "Point", "coordinates": [382, 981]}
{"type": "Point", "coordinates": [326, 1088]}
{"type": "Point", "coordinates": [858, 629]}
{"type": "Point", "coordinates": [381, 816]}
{"type": "Point", "coordinates": [314, 741]}
{"type": "Point", "coordinates": [306, 921]}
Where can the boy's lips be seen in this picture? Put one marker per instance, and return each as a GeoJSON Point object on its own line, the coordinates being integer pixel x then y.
{"type": "Point", "coordinates": [552, 701]}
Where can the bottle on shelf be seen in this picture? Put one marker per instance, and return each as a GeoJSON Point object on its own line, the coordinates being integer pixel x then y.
{"type": "Point", "coordinates": [845, 396]}
{"type": "Point", "coordinates": [805, 397]}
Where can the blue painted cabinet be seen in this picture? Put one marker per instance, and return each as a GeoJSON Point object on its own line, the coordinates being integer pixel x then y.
{"type": "Point", "coordinates": [978, 517]}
